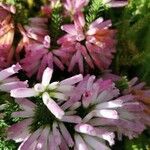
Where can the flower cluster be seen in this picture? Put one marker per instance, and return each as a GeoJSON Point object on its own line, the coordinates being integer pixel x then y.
{"type": "Point", "coordinates": [94, 108]}
{"type": "Point", "coordinates": [56, 111]}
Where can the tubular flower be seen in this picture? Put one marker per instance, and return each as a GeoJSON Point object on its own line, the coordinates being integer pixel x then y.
{"type": "Point", "coordinates": [60, 91]}
{"type": "Point", "coordinates": [39, 129]}
{"type": "Point", "coordinates": [36, 43]}
{"type": "Point", "coordinates": [8, 83]}
{"type": "Point", "coordinates": [115, 3]}
{"type": "Point", "coordinates": [6, 34]}
{"type": "Point", "coordinates": [106, 111]}
{"type": "Point", "coordinates": [73, 7]}
{"type": "Point", "coordinates": [94, 45]}
{"type": "Point", "coordinates": [142, 94]}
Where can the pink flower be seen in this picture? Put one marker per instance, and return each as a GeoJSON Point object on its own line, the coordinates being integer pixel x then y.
{"type": "Point", "coordinates": [8, 83]}
{"type": "Point", "coordinates": [115, 3]}
{"type": "Point", "coordinates": [94, 45]}
{"type": "Point", "coordinates": [61, 91]}
{"type": "Point", "coordinates": [52, 134]}
{"type": "Point", "coordinates": [36, 43]}
{"type": "Point", "coordinates": [74, 6]}
{"type": "Point", "coordinates": [6, 35]}
{"type": "Point", "coordinates": [142, 94]}
{"type": "Point", "coordinates": [105, 108]}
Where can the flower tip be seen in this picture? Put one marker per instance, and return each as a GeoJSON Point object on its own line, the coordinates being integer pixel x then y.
{"type": "Point", "coordinates": [12, 9]}
{"type": "Point", "coordinates": [16, 67]}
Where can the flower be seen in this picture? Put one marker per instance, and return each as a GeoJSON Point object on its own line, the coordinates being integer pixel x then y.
{"type": "Point", "coordinates": [8, 83]}
{"type": "Point", "coordinates": [93, 45]}
{"type": "Point", "coordinates": [58, 90]}
{"type": "Point", "coordinates": [36, 43]}
{"type": "Point", "coordinates": [72, 6]}
{"type": "Point", "coordinates": [6, 34]}
{"type": "Point", "coordinates": [107, 111]}
{"type": "Point", "coordinates": [39, 129]}
{"type": "Point", "coordinates": [142, 94]}
{"type": "Point", "coordinates": [138, 89]}
{"type": "Point", "coordinates": [115, 3]}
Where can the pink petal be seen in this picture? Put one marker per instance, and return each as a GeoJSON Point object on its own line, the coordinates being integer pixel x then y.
{"type": "Point", "coordinates": [23, 92]}
{"type": "Point", "coordinates": [47, 75]}
{"type": "Point", "coordinates": [80, 144]}
{"type": "Point", "coordinates": [19, 131]}
{"type": "Point", "coordinates": [66, 135]}
{"type": "Point", "coordinates": [72, 80]}
{"type": "Point", "coordinates": [52, 106]}
{"type": "Point", "coordinates": [9, 71]}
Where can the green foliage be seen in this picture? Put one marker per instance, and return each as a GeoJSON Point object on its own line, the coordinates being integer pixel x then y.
{"type": "Point", "coordinates": [140, 143]}
{"type": "Point", "coordinates": [7, 145]}
{"type": "Point", "coordinates": [132, 34]}
{"type": "Point", "coordinates": [55, 24]}
{"type": "Point", "coordinates": [93, 10]}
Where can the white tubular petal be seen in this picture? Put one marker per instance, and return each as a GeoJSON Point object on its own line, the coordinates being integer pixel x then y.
{"type": "Point", "coordinates": [72, 80]}
{"type": "Point", "coordinates": [66, 135]}
{"type": "Point", "coordinates": [72, 119]}
{"type": "Point", "coordinates": [9, 71]}
{"type": "Point", "coordinates": [52, 106]}
{"type": "Point", "coordinates": [47, 75]}
{"type": "Point", "coordinates": [59, 96]}
{"type": "Point", "coordinates": [80, 144]}
{"type": "Point", "coordinates": [111, 104]}
{"type": "Point", "coordinates": [86, 129]}
{"type": "Point", "coordinates": [65, 88]}
{"type": "Point", "coordinates": [7, 87]}
{"type": "Point", "coordinates": [94, 143]}
{"type": "Point", "coordinates": [23, 92]}
{"type": "Point", "coordinates": [53, 85]}
{"type": "Point", "coordinates": [106, 113]}
{"type": "Point", "coordinates": [109, 137]}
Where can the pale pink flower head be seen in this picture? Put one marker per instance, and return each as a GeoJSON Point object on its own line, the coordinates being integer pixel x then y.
{"type": "Point", "coordinates": [138, 89]}
{"type": "Point", "coordinates": [74, 6]}
{"type": "Point", "coordinates": [7, 82]}
{"type": "Point", "coordinates": [40, 129]}
{"type": "Point", "coordinates": [142, 94]}
{"type": "Point", "coordinates": [105, 107]}
{"type": "Point", "coordinates": [6, 34]}
{"type": "Point", "coordinates": [61, 91]}
{"type": "Point", "coordinates": [93, 45]}
{"type": "Point", "coordinates": [115, 3]}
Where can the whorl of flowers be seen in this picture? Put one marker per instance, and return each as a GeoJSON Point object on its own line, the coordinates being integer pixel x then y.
{"type": "Point", "coordinates": [94, 45]}
{"type": "Point", "coordinates": [94, 109]}
{"type": "Point", "coordinates": [6, 34]}
{"type": "Point", "coordinates": [79, 112]}
{"type": "Point", "coordinates": [58, 90]}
